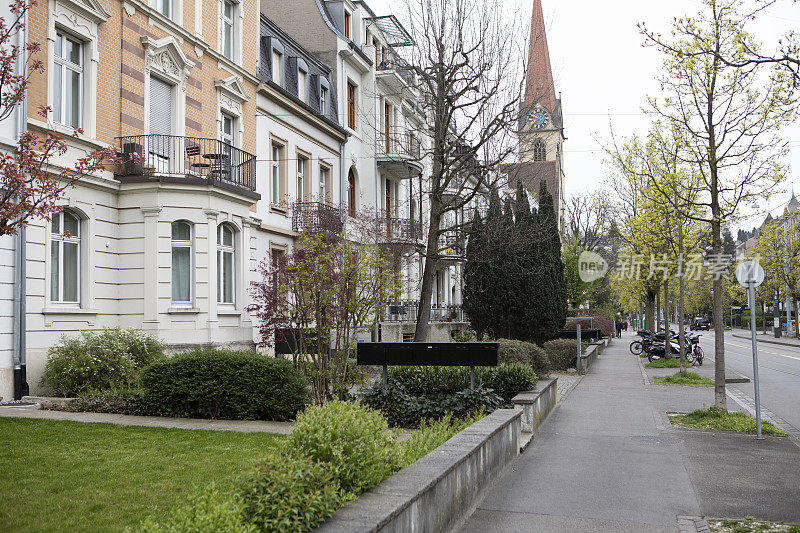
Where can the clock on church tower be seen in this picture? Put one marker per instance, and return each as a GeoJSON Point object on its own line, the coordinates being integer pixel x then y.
{"type": "Point", "coordinates": [539, 118]}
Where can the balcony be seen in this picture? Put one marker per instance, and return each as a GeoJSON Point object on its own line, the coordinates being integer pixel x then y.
{"type": "Point", "coordinates": [188, 160]}
{"type": "Point", "coordinates": [452, 247]}
{"type": "Point", "coordinates": [399, 152]}
{"type": "Point", "coordinates": [406, 312]}
{"type": "Point", "coordinates": [395, 72]}
{"type": "Point", "coordinates": [317, 217]}
{"type": "Point", "coordinates": [398, 231]}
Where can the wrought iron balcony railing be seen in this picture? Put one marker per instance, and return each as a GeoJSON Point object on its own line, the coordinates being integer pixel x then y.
{"type": "Point", "coordinates": [392, 61]}
{"type": "Point", "coordinates": [452, 245]}
{"type": "Point", "coordinates": [317, 217]}
{"type": "Point", "coordinates": [186, 157]}
{"type": "Point", "coordinates": [399, 142]}
{"type": "Point", "coordinates": [406, 311]}
{"type": "Point", "coordinates": [398, 230]}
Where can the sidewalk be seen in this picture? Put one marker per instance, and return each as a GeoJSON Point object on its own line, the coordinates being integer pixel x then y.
{"type": "Point", "coordinates": [245, 426]}
{"type": "Point", "coordinates": [769, 338]}
{"type": "Point", "coordinates": [608, 459]}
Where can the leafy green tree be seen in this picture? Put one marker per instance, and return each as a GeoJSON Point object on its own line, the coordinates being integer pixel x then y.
{"type": "Point", "coordinates": [728, 118]}
{"type": "Point", "coordinates": [476, 278]}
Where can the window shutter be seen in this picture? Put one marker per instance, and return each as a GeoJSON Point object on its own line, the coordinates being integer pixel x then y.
{"type": "Point", "coordinates": [160, 107]}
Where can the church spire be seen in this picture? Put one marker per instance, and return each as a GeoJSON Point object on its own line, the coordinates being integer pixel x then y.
{"type": "Point", "coordinates": [539, 87]}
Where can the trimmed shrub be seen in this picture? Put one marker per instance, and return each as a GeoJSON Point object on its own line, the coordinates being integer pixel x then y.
{"type": "Point", "coordinates": [507, 380]}
{"type": "Point", "coordinates": [216, 383]}
{"type": "Point", "coordinates": [432, 434]}
{"type": "Point", "coordinates": [416, 393]}
{"type": "Point", "coordinates": [403, 409]}
{"type": "Point", "coordinates": [514, 351]}
{"type": "Point", "coordinates": [354, 443]}
{"type": "Point", "coordinates": [289, 494]}
{"type": "Point", "coordinates": [561, 353]}
{"type": "Point", "coordinates": [98, 362]}
{"type": "Point", "coordinates": [206, 511]}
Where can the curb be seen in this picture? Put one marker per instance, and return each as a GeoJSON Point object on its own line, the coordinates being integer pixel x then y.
{"type": "Point", "coordinates": [768, 341]}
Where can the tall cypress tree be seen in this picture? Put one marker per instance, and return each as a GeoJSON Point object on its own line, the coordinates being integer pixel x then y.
{"type": "Point", "coordinates": [555, 313]}
{"type": "Point", "coordinates": [508, 276]}
{"type": "Point", "coordinates": [495, 264]}
{"type": "Point", "coordinates": [527, 256]}
{"type": "Point", "coordinates": [476, 277]}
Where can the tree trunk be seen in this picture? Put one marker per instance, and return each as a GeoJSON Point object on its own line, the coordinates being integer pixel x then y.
{"type": "Point", "coordinates": [649, 312]}
{"type": "Point", "coordinates": [681, 336]}
{"type": "Point", "coordinates": [428, 273]}
{"type": "Point", "coordinates": [666, 305]}
{"type": "Point", "coordinates": [720, 399]}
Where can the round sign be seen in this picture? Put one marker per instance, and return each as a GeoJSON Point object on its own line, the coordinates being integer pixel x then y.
{"type": "Point", "coordinates": [750, 272]}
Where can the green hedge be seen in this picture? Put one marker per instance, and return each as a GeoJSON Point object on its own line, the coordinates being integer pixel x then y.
{"type": "Point", "coordinates": [216, 383]}
{"type": "Point", "coordinates": [562, 353]}
{"type": "Point", "coordinates": [416, 393]}
{"type": "Point", "coordinates": [514, 351]}
{"type": "Point", "coordinates": [99, 362]}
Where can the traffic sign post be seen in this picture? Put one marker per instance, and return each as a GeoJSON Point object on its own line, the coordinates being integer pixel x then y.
{"type": "Point", "coordinates": [750, 275]}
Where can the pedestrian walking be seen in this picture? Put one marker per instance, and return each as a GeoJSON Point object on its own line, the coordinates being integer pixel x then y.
{"type": "Point", "coordinates": [618, 325]}
{"type": "Point", "coordinates": [625, 325]}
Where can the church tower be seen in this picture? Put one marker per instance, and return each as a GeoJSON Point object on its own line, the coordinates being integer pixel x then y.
{"type": "Point", "coordinates": [541, 126]}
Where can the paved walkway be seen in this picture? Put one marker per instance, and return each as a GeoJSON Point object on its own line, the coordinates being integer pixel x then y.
{"type": "Point", "coordinates": [768, 339]}
{"type": "Point", "coordinates": [608, 459]}
{"type": "Point", "coordinates": [245, 426]}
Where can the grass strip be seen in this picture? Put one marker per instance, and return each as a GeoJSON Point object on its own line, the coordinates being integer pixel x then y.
{"type": "Point", "coordinates": [672, 362]}
{"type": "Point", "coordinates": [76, 476]}
{"type": "Point", "coordinates": [710, 418]}
{"type": "Point", "coordinates": [687, 378]}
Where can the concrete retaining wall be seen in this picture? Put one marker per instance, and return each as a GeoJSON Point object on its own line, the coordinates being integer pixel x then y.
{"type": "Point", "coordinates": [434, 493]}
{"type": "Point", "coordinates": [592, 351]}
{"type": "Point", "coordinates": [536, 404]}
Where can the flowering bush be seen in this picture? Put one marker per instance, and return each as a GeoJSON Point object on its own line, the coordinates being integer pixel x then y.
{"type": "Point", "coordinates": [97, 362]}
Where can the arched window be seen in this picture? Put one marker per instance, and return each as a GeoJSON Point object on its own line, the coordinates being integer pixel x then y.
{"type": "Point", "coordinates": [539, 150]}
{"type": "Point", "coordinates": [351, 193]}
{"type": "Point", "coordinates": [182, 258]}
{"type": "Point", "coordinates": [65, 257]}
{"type": "Point", "coordinates": [226, 261]}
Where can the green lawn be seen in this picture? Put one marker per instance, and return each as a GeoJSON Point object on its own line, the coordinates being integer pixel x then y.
{"type": "Point", "coordinates": [733, 421]}
{"type": "Point", "coordinates": [671, 362]}
{"type": "Point", "coordinates": [687, 378]}
{"type": "Point", "coordinates": [73, 476]}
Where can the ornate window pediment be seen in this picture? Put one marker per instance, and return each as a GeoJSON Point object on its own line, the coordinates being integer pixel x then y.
{"type": "Point", "coordinates": [166, 57]}
{"type": "Point", "coordinates": [232, 94]}
{"type": "Point", "coordinates": [83, 11]}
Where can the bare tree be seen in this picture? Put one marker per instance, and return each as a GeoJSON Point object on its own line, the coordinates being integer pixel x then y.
{"type": "Point", "coordinates": [589, 217]}
{"type": "Point", "coordinates": [466, 63]}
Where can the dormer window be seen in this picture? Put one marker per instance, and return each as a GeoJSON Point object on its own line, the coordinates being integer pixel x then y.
{"type": "Point", "coordinates": [277, 58]}
{"type": "Point", "coordinates": [323, 100]}
{"type": "Point", "coordinates": [302, 85]}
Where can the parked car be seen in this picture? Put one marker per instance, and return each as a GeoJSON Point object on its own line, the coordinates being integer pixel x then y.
{"type": "Point", "coordinates": [700, 324]}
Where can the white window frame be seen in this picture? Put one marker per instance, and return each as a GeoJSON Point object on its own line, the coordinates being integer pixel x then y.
{"type": "Point", "coordinates": [324, 95]}
{"type": "Point", "coordinates": [68, 67]}
{"type": "Point", "coordinates": [277, 151]}
{"type": "Point", "coordinates": [302, 174]}
{"type": "Point", "coordinates": [277, 64]}
{"type": "Point", "coordinates": [324, 173]}
{"type": "Point", "coordinates": [302, 84]}
{"type": "Point", "coordinates": [80, 20]}
{"type": "Point", "coordinates": [230, 23]}
{"type": "Point", "coordinates": [228, 137]}
{"type": "Point", "coordinates": [222, 251]}
{"type": "Point", "coordinates": [60, 239]}
{"type": "Point", "coordinates": [174, 8]}
{"type": "Point", "coordinates": [177, 243]}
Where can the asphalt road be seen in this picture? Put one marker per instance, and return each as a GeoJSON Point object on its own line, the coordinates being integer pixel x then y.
{"type": "Point", "coordinates": [778, 368]}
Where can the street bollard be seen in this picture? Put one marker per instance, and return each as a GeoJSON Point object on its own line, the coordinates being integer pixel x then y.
{"type": "Point", "coordinates": [578, 362]}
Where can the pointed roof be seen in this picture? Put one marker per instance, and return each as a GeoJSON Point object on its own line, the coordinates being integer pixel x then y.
{"type": "Point", "coordinates": [793, 203]}
{"type": "Point", "coordinates": [539, 87]}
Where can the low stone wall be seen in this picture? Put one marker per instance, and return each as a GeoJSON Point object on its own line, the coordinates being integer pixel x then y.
{"type": "Point", "coordinates": [536, 404]}
{"type": "Point", "coordinates": [434, 493]}
{"type": "Point", "coordinates": [590, 356]}
{"type": "Point", "coordinates": [48, 402]}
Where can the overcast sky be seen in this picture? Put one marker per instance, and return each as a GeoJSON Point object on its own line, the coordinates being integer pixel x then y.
{"type": "Point", "coordinates": [604, 74]}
